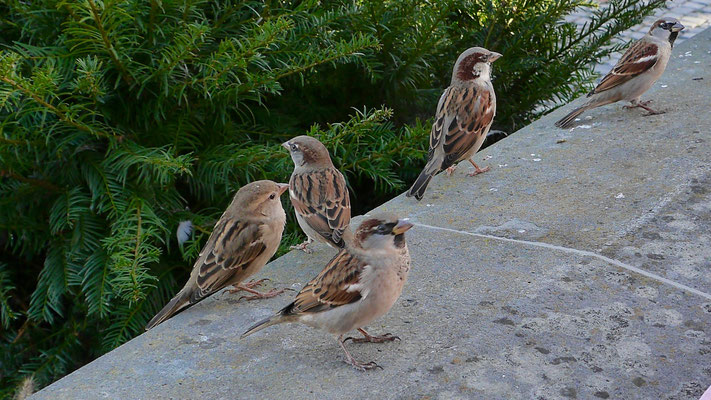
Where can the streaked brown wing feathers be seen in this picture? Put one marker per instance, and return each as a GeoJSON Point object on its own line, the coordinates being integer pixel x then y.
{"type": "Point", "coordinates": [636, 60]}
{"type": "Point", "coordinates": [323, 201]}
{"type": "Point", "coordinates": [438, 125]}
{"type": "Point", "coordinates": [474, 112]}
{"type": "Point", "coordinates": [329, 288]}
{"type": "Point", "coordinates": [232, 246]}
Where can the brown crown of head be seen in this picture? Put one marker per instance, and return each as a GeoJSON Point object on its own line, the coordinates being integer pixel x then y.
{"type": "Point", "coordinates": [254, 195]}
{"type": "Point", "coordinates": [313, 150]}
{"type": "Point", "coordinates": [464, 67]}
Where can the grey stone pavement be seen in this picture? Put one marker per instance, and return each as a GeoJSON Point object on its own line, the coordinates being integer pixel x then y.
{"type": "Point", "coordinates": [695, 15]}
{"type": "Point", "coordinates": [578, 268]}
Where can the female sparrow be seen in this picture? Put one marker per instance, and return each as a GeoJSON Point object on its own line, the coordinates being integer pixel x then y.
{"type": "Point", "coordinates": [464, 115]}
{"type": "Point", "coordinates": [318, 192]}
{"type": "Point", "coordinates": [360, 284]}
{"type": "Point", "coordinates": [245, 237]}
{"type": "Point", "coordinates": [641, 65]}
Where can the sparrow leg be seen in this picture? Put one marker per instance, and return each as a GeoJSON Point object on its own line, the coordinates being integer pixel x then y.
{"type": "Point", "coordinates": [388, 337]}
{"type": "Point", "coordinates": [651, 111]}
{"type": "Point", "coordinates": [450, 170]}
{"type": "Point", "coordinates": [257, 294]}
{"type": "Point", "coordinates": [644, 105]}
{"type": "Point", "coordinates": [478, 170]}
{"type": "Point", "coordinates": [303, 247]}
{"type": "Point", "coordinates": [252, 284]}
{"type": "Point", "coordinates": [352, 361]}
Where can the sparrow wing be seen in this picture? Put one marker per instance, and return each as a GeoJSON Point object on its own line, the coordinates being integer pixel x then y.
{"type": "Point", "coordinates": [468, 114]}
{"type": "Point", "coordinates": [639, 58]}
{"type": "Point", "coordinates": [231, 248]}
{"type": "Point", "coordinates": [437, 131]}
{"type": "Point", "coordinates": [463, 115]}
{"type": "Point", "coordinates": [321, 198]}
{"type": "Point", "coordinates": [335, 286]}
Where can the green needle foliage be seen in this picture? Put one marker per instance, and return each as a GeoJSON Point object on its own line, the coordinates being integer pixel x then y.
{"type": "Point", "coordinates": [121, 118]}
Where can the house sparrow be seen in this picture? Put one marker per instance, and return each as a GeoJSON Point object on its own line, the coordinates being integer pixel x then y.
{"type": "Point", "coordinates": [245, 237]}
{"type": "Point", "coordinates": [464, 115]}
{"type": "Point", "coordinates": [360, 284]}
{"type": "Point", "coordinates": [318, 192]}
{"type": "Point", "coordinates": [641, 65]}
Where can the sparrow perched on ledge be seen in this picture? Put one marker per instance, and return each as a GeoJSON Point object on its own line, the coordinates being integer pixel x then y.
{"type": "Point", "coordinates": [360, 284]}
{"type": "Point", "coordinates": [318, 192]}
{"type": "Point", "coordinates": [464, 115]}
{"type": "Point", "coordinates": [641, 65]}
{"type": "Point", "coordinates": [245, 237]}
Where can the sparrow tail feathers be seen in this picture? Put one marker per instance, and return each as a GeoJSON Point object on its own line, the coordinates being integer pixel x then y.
{"type": "Point", "coordinates": [278, 318]}
{"type": "Point", "coordinates": [568, 120]}
{"type": "Point", "coordinates": [176, 304]}
{"type": "Point", "coordinates": [418, 188]}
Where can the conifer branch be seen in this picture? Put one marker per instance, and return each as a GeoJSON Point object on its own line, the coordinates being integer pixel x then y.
{"type": "Point", "coordinates": [107, 43]}
{"type": "Point", "coordinates": [316, 63]}
{"type": "Point", "coordinates": [136, 248]}
{"type": "Point", "coordinates": [32, 181]}
{"type": "Point", "coordinates": [56, 111]}
{"type": "Point", "coordinates": [15, 142]}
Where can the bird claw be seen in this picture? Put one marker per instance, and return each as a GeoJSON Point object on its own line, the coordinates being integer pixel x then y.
{"type": "Point", "coordinates": [637, 104]}
{"type": "Point", "coordinates": [653, 112]}
{"type": "Point", "coordinates": [352, 361]}
{"type": "Point", "coordinates": [241, 287]}
{"type": "Point", "coordinates": [260, 295]}
{"type": "Point", "coordinates": [362, 366]}
{"type": "Point", "coordinates": [302, 247]}
{"type": "Point", "coordinates": [450, 170]}
{"type": "Point", "coordinates": [251, 284]}
{"type": "Point", "coordinates": [388, 337]}
{"type": "Point", "coordinates": [479, 171]}
{"type": "Point", "coordinates": [645, 106]}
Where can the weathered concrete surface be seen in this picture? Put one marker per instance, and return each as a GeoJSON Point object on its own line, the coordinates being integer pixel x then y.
{"type": "Point", "coordinates": [483, 317]}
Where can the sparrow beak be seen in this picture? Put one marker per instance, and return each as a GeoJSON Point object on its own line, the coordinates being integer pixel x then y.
{"type": "Point", "coordinates": [494, 56]}
{"type": "Point", "coordinates": [282, 187]}
{"type": "Point", "coordinates": [285, 145]}
{"type": "Point", "coordinates": [677, 27]}
{"type": "Point", "coordinates": [402, 227]}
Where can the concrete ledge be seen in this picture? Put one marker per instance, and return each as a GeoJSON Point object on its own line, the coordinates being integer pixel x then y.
{"type": "Point", "coordinates": [579, 267]}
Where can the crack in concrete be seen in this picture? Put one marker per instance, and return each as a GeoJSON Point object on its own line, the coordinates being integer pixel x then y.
{"type": "Point", "coordinates": [579, 252]}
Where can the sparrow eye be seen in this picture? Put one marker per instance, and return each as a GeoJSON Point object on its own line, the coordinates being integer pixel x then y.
{"type": "Point", "coordinates": [385, 229]}
{"type": "Point", "coordinates": [272, 196]}
{"type": "Point", "coordinates": [294, 147]}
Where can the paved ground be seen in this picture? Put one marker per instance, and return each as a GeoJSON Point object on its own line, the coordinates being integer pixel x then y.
{"type": "Point", "coordinates": [578, 268]}
{"type": "Point", "coordinates": [695, 15]}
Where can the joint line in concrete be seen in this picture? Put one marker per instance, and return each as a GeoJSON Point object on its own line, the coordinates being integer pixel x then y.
{"type": "Point", "coordinates": [584, 253]}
